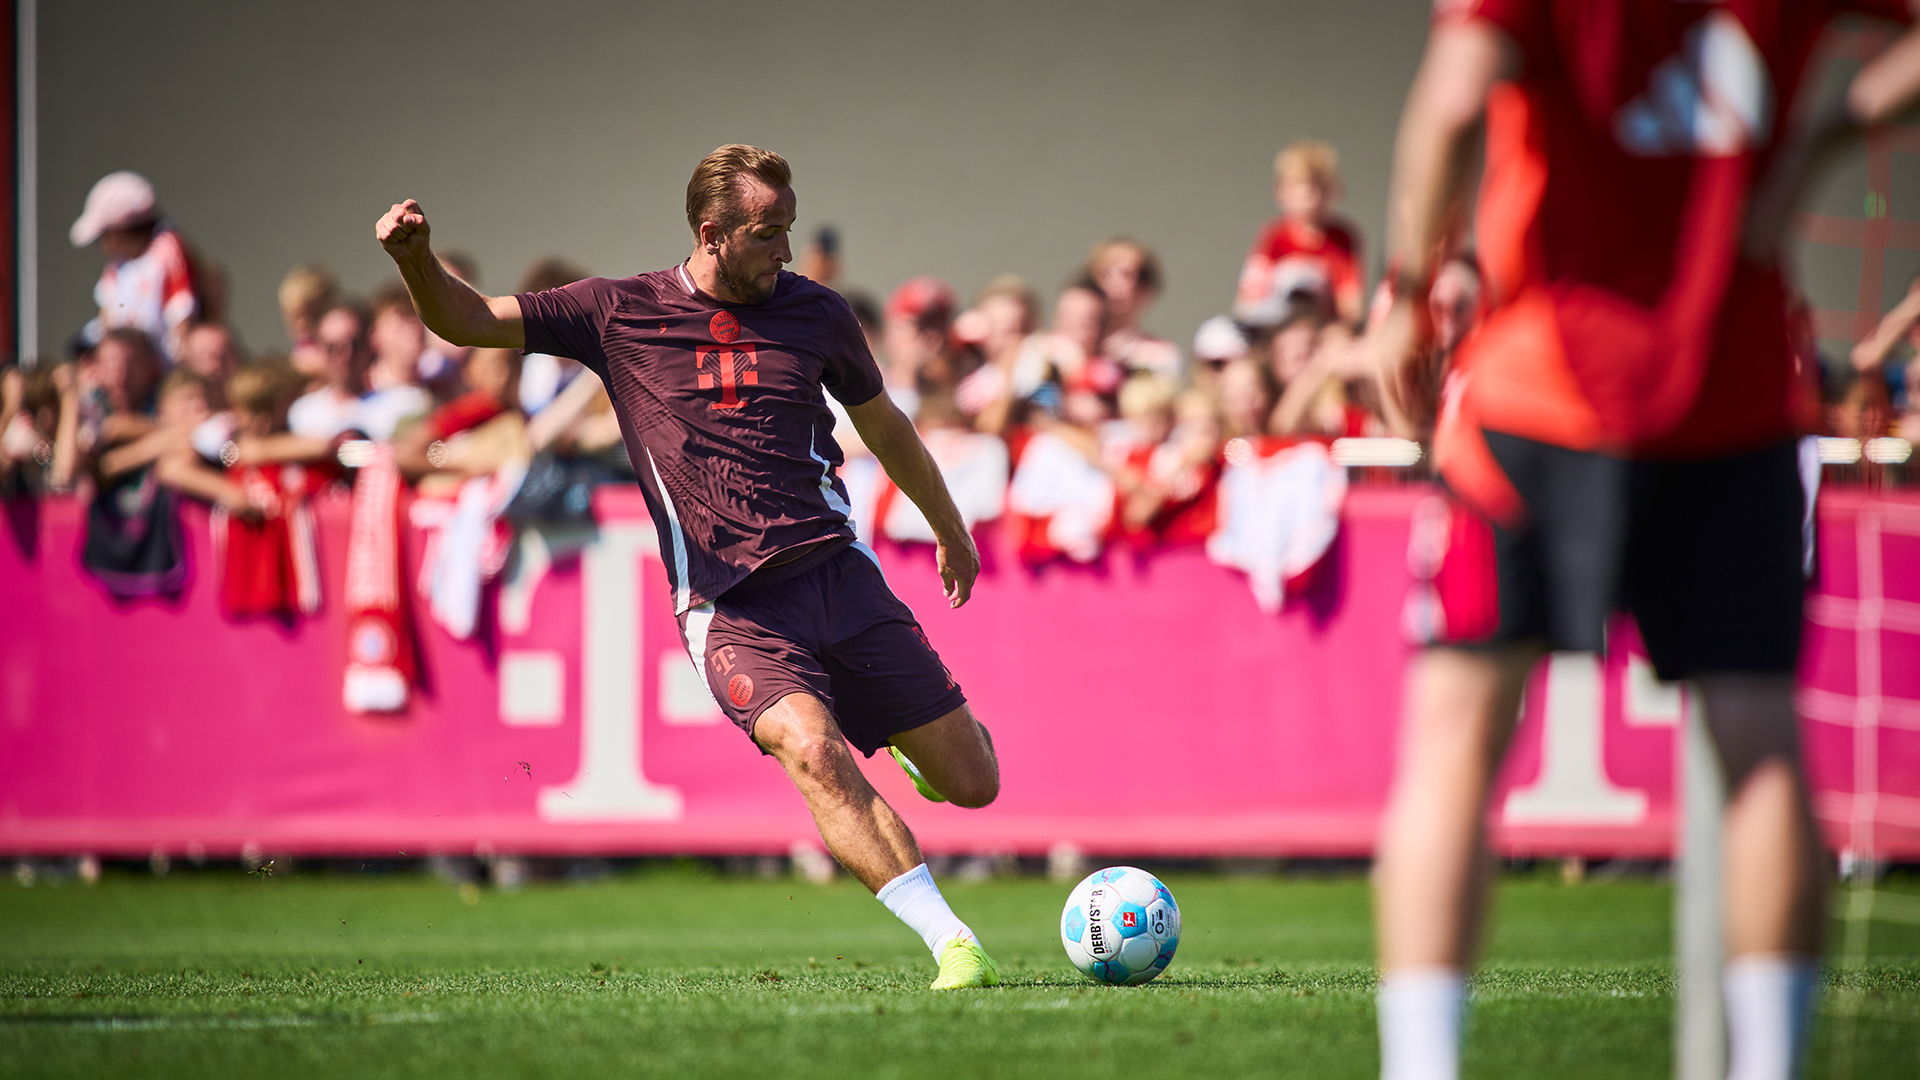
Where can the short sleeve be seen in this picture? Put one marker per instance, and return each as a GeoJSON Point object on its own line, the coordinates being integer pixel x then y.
{"type": "Point", "coordinates": [570, 320]}
{"type": "Point", "coordinates": [850, 374]}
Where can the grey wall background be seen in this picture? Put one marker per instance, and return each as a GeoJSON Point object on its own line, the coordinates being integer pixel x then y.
{"type": "Point", "coordinates": [957, 140]}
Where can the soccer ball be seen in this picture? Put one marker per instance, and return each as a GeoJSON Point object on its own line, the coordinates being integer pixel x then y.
{"type": "Point", "coordinates": [1120, 926]}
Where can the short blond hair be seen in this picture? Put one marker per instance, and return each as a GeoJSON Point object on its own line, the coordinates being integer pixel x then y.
{"type": "Point", "coordinates": [308, 289]}
{"type": "Point", "coordinates": [1145, 393]}
{"type": "Point", "coordinates": [265, 387]}
{"type": "Point", "coordinates": [1308, 159]}
{"type": "Point", "coordinates": [714, 192]}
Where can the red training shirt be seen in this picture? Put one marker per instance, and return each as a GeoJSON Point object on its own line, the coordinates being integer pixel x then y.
{"type": "Point", "coordinates": [1619, 165]}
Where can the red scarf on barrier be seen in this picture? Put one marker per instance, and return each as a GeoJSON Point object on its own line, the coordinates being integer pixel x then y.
{"type": "Point", "coordinates": [267, 565]}
{"type": "Point", "coordinates": [380, 645]}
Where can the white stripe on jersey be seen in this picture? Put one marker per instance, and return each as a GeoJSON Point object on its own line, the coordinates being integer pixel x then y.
{"type": "Point", "coordinates": [834, 501]}
{"type": "Point", "coordinates": [682, 591]}
{"type": "Point", "coordinates": [694, 633]}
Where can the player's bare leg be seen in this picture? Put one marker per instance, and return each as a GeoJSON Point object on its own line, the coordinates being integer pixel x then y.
{"type": "Point", "coordinates": [955, 756]}
{"type": "Point", "coordinates": [860, 829]}
{"type": "Point", "coordinates": [1430, 874]}
{"type": "Point", "coordinates": [1774, 873]}
{"type": "Point", "coordinates": [868, 837]}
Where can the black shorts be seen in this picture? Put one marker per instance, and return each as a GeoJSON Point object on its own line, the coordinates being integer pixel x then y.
{"type": "Point", "coordinates": [1708, 556]}
{"type": "Point", "coordinates": [834, 631]}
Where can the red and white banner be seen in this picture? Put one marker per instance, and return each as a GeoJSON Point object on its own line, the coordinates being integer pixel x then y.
{"type": "Point", "coordinates": [1140, 704]}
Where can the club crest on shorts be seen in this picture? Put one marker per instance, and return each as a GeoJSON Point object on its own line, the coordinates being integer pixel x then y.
{"type": "Point", "coordinates": [740, 690]}
{"type": "Point", "coordinates": [724, 327]}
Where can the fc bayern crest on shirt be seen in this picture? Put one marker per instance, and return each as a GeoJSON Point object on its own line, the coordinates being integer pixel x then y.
{"type": "Point", "coordinates": [727, 367]}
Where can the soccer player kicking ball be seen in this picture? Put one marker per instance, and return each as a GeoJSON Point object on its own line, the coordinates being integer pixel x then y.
{"type": "Point", "coordinates": [716, 368]}
{"type": "Point", "coordinates": [1617, 433]}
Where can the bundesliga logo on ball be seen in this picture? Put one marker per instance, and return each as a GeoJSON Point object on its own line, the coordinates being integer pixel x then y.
{"type": "Point", "coordinates": [1120, 926]}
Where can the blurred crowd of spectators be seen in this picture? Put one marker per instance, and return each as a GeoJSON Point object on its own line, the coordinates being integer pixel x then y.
{"type": "Point", "coordinates": [1067, 413]}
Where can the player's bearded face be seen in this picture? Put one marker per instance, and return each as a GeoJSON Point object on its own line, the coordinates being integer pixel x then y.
{"type": "Point", "coordinates": [743, 271]}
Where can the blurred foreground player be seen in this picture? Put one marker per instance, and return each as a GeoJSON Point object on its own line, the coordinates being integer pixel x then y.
{"type": "Point", "coordinates": [1616, 434]}
{"type": "Point", "coordinates": [716, 367]}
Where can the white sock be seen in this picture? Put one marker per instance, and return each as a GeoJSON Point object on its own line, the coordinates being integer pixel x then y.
{"type": "Point", "coordinates": [917, 901]}
{"type": "Point", "coordinates": [1421, 1013]}
{"type": "Point", "coordinates": [1769, 1006]}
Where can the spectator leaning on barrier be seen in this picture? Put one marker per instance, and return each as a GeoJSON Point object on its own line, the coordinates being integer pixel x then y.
{"type": "Point", "coordinates": [148, 283]}
{"type": "Point", "coordinates": [1870, 357]}
{"type": "Point", "coordinates": [475, 433]}
{"type": "Point", "coordinates": [39, 428]}
{"type": "Point", "coordinates": [1127, 273]}
{"type": "Point", "coordinates": [543, 377]}
{"type": "Point", "coordinates": [116, 378]}
{"type": "Point", "coordinates": [331, 408]}
{"type": "Point", "coordinates": [397, 340]}
{"type": "Point", "coordinates": [1306, 249]}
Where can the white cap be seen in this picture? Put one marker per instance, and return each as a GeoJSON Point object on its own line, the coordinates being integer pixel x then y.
{"type": "Point", "coordinates": [1219, 338]}
{"type": "Point", "coordinates": [118, 200]}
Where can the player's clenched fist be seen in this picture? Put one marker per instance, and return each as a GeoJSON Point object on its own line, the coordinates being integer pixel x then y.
{"type": "Point", "coordinates": [403, 230]}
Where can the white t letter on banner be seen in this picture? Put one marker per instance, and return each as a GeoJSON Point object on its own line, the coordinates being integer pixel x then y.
{"type": "Point", "coordinates": [1572, 788]}
{"type": "Point", "coordinates": [610, 785]}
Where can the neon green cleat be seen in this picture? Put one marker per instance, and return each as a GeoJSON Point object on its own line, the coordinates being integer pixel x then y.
{"type": "Point", "coordinates": [913, 773]}
{"type": "Point", "coordinates": [964, 964]}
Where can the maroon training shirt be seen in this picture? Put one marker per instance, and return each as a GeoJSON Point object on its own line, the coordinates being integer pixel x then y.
{"type": "Point", "coordinates": [722, 411]}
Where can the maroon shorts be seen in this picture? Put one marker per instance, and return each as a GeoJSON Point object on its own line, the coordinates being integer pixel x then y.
{"type": "Point", "coordinates": [834, 631]}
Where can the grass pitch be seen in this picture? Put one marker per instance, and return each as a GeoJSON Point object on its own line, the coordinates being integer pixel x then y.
{"type": "Point", "coordinates": [685, 974]}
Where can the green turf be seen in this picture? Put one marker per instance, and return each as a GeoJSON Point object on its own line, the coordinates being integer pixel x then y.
{"type": "Point", "coordinates": [686, 975]}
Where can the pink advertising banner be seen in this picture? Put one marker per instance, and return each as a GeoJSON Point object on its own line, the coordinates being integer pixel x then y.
{"type": "Point", "coordinates": [1141, 705]}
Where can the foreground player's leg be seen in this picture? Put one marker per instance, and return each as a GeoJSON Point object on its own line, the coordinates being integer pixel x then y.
{"type": "Point", "coordinates": [867, 836]}
{"type": "Point", "coordinates": [1430, 874]}
{"type": "Point", "coordinates": [1774, 871]}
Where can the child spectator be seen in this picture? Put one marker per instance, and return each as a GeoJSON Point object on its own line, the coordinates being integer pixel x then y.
{"type": "Point", "coordinates": [39, 428]}
{"type": "Point", "coordinates": [998, 325]}
{"type": "Point", "coordinates": [914, 331]}
{"type": "Point", "coordinates": [332, 408]}
{"type": "Point", "coordinates": [543, 377]}
{"type": "Point", "coordinates": [397, 340]}
{"type": "Point", "coordinates": [208, 350]}
{"type": "Point", "coordinates": [265, 552]}
{"type": "Point", "coordinates": [308, 292]}
{"type": "Point", "coordinates": [133, 543]}
{"type": "Point", "coordinates": [149, 282]}
{"type": "Point", "coordinates": [1164, 468]}
{"type": "Point", "coordinates": [116, 381]}
{"type": "Point", "coordinates": [1246, 395]}
{"type": "Point", "coordinates": [1306, 250]}
{"type": "Point", "coordinates": [1127, 273]}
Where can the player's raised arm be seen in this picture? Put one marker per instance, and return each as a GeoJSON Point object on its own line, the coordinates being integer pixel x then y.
{"type": "Point", "coordinates": [449, 306]}
{"type": "Point", "coordinates": [1431, 154]}
{"type": "Point", "coordinates": [890, 435]}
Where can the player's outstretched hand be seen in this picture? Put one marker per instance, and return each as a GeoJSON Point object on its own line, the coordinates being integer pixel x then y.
{"type": "Point", "coordinates": [959, 564]}
{"type": "Point", "coordinates": [403, 231]}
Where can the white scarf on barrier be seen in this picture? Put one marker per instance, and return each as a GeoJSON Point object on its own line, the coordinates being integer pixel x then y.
{"type": "Point", "coordinates": [1278, 516]}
